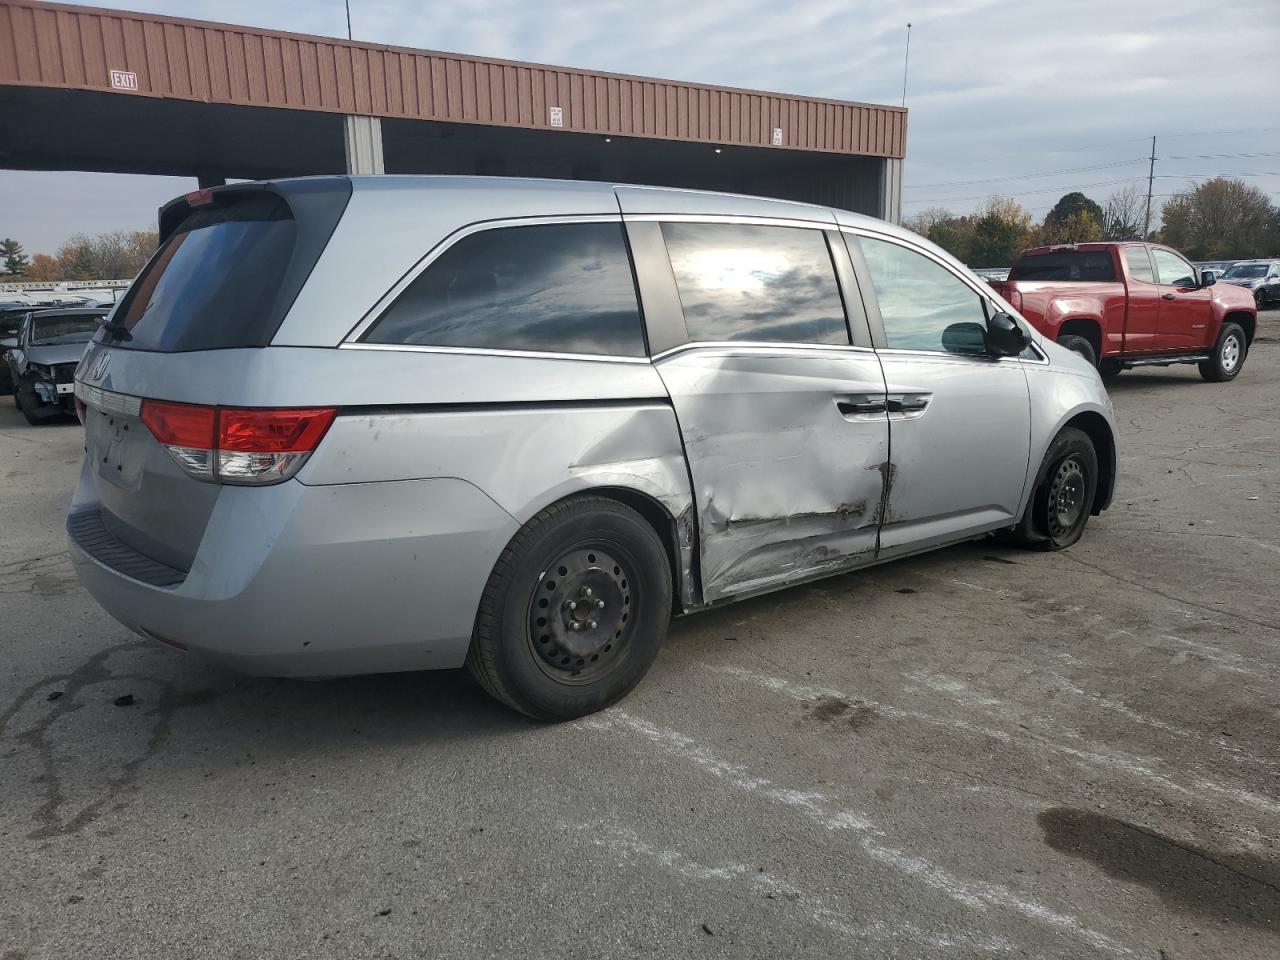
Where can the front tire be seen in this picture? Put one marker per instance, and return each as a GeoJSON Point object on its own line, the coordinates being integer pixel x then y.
{"type": "Point", "coordinates": [1062, 501]}
{"type": "Point", "coordinates": [1228, 355]}
{"type": "Point", "coordinates": [21, 405]}
{"type": "Point", "coordinates": [574, 612]}
{"type": "Point", "coordinates": [1081, 346]}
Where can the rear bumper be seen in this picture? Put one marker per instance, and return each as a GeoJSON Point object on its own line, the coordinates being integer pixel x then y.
{"type": "Point", "coordinates": [300, 581]}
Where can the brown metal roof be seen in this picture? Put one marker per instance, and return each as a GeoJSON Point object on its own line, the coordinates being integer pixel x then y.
{"type": "Point", "coordinates": [54, 45]}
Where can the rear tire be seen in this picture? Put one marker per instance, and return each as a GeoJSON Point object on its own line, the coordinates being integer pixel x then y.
{"type": "Point", "coordinates": [1062, 501]}
{"type": "Point", "coordinates": [574, 612]}
{"type": "Point", "coordinates": [1110, 369]}
{"type": "Point", "coordinates": [1228, 355]}
{"type": "Point", "coordinates": [1081, 346]}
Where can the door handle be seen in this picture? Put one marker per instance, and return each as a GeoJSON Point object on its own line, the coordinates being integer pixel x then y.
{"type": "Point", "coordinates": [1168, 296]}
{"type": "Point", "coordinates": [907, 404]}
{"type": "Point", "coordinates": [850, 408]}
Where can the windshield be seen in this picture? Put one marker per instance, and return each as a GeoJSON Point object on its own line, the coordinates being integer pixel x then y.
{"type": "Point", "coordinates": [1246, 270]}
{"type": "Point", "coordinates": [46, 331]}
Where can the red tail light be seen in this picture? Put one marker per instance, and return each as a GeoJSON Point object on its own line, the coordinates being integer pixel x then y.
{"type": "Point", "coordinates": [237, 444]}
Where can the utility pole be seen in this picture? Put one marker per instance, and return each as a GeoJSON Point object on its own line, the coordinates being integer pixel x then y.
{"type": "Point", "coordinates": [348, 6]}
{"type": "Point", "coordinates": [906, 59]}
{"type": "Point", "coordinates": [1151, 178]}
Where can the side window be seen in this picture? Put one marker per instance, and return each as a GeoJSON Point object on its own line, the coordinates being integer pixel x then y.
{"type": "Point", "coordinates": [745, 282]}
{"type": "Point", "coordinates": [1173, 270]}
{"type": "Point", "coordinates": [560, 288]}
{"type": "Point", "coordinates": [924, 305]}
{"type": "Point", "coordinates": [1139, 264]}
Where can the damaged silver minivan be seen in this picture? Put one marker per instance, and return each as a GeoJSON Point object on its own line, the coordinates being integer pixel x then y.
{"type": "Point", "coordinates": [347, 425]}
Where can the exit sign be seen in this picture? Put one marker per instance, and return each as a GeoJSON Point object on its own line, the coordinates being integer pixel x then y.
{"type": "Point", "coordinates": [124, 80]}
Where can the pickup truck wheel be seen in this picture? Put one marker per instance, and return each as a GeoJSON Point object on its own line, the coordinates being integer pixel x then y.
{"type": "Point", "coordinates": [1110, 369]}
{"type": "Point", "coordinates": [1228, 355]}
{"type": "Point", "coordinates": [1081, 346]}
{"type": "Point", "coordinates": [1062, 501]}
{"type": "Point", "coordinates": [574, 612]}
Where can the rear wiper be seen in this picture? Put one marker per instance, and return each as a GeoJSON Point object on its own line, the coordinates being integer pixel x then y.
{"type": "Point", "coordinates": [116, 329]}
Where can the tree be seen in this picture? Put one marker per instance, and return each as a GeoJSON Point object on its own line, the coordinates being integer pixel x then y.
{"type": "Point", "coordinates": [953, 233]}
{"type": "Point", "coordinates": [15, 260]}
{"type": "Point", "coordinates": [1079, 226]}
{"type": "Point", "coordinates": [75, 259]}
{"type": "Point", "coordinates": [1002, 229]}
{"type": "Point", "coordinates": [1220, 219]}
{"type": "Point", "coordinates": [1123, 216]}
{"type": "Point", "coordinates": [43, 267]}
{"type": "Point", "coordinates": [1074, 202]}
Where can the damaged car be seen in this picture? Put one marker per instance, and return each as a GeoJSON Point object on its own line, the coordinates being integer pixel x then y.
{"type": "Point", "coordinates": [541, 418]}
{"type": "Point", "coordinates": [42, 363]}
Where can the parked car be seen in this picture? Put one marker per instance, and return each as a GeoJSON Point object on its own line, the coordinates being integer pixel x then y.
{"type": "Point", "coordinates": [10, 319]}
{"type": "Point", "coordinates": [419, 422]}
{"type": "Point", "coordinates": [1259, 277]}
{"type": "Point", "coordinates": [1217, 266]}
{"type": "Point", "coordinates": [44, 360]}
{"type": "Point", "coordinates": [1122, 305]}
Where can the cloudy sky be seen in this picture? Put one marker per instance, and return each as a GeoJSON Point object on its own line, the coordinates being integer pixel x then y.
{"type": "Point", "coordinates": [1003, 96]}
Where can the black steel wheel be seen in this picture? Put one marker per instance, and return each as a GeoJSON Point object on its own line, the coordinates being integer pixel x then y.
{"type": "Point", "coordinates": [1062, 500]}
{"type": "Point", "coordinates": [575, 610]}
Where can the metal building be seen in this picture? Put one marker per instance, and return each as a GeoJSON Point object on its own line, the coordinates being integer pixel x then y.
{"type": "Point", "coordinates": [86, 88]}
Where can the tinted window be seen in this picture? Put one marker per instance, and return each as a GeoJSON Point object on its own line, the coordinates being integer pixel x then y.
{"type": "Point", "coordinates": [740, 282]}
{"type": "Point", "coordinates": [1173, 270]}
{"type": "Point", "coordinates": [1139, 264]}
{"type": "Point", "coordinates": [1244, 271]}
{"type": "Point", "coordinates": [1093, 265]}
{"type": "Point", "coordinates": [214, 280]}
{"type": "Point", "coordinates": [924, 305]}
{"type": "Point", "coordinates": [561, 288]}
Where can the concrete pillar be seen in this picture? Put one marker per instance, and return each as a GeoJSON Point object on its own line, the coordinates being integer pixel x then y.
{"type": "Point", "coordinates": [891, 190]}
{"type": "Point", "coordinates": [364, 145]}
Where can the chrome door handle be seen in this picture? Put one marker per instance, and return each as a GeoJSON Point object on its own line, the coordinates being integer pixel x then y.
{"type": "Point", "coordinates": [908, 404]}
{"type": "Point", "coordinates": [851, 408]}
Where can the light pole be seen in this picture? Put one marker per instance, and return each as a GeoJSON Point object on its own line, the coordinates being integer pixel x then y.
{"type": "Point", "coordinates": [906, 59]}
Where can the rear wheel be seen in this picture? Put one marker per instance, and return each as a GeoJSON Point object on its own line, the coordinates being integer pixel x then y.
{"type": "Point", "coordinates": [574, 612]}
{"type": "Point", "coordinates": [1081, 346]}
{"type": "Point", "coordinates": [1228, 355]}
{"type": "Point", "coordinates": [1110, 369]}
{"type": "Point", "coordinates": [1062, 501]}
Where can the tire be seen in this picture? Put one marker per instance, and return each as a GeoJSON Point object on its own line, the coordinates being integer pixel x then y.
{"type": "Point", "coordinates": [1081, 346]}
{"type": "Point", "coordinates": [26, 411]}
{"type": "Point", "coordinates": [1068, 477]}
{"type": "Point", "coordinates": [526, 651]}
{"type": "Point", "coordinates": [1110, 369]}
{"type": "Point", "coordinates": [1228, 355]}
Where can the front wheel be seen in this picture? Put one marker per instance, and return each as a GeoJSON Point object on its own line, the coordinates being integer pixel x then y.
{"type": "Point", "coordinates": [1081, 346]}
{"type": "Point", "coordinates": [574, 612]}
{"type": "Point", "coordinates": [1062, 501]}
{"type": "Point", "coordinates": [1228, 355]}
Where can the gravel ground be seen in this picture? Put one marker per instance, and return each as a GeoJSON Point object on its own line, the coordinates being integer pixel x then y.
{"type": "Point", "coordinates": [981, 752]}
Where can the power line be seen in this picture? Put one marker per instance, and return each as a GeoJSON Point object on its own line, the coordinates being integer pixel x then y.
{"type": "Point", "coordinates": [1211, 176]}
{"type": "Point", "coordinates": [1219, 156]}
{"type": "Point", "coordinates": [1027, 193]}
{"type": "Point", "coordinates": [1026, 176]}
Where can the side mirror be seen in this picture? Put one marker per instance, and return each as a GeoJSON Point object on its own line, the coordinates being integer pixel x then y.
{"type": "Point", "coordinates": [967, 338]}
{"type": "Point", "coordinates": [1004, 337]}
{"type": "Point", "coordinates": [1208, 278]}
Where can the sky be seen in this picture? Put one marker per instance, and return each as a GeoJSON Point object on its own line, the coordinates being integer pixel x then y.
{"type": "Point", "coordinates": [1003, 96]}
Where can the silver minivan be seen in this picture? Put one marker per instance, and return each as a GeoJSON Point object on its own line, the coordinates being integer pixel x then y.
{"type": "Point", "coordinates": [349, 425]}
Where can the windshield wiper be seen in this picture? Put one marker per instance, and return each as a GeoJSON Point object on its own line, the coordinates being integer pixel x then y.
{"type": "Point", "coordinates": [116, 329]}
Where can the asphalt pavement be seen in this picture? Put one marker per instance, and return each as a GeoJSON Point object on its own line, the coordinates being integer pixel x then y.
{"type": "Point", "coordinates": [982, 752]}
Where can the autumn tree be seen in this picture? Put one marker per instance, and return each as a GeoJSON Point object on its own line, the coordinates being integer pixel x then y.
{"type": "Point", "coordinates": [1000, 231]}
{"type": "Point", "coordinates": [1220, 219]}
{"type": "Point", "coordinates": [44, 267]}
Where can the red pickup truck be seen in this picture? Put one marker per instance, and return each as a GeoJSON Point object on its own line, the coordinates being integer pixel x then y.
{"type": "Point", "coordinates": [1124, 305]}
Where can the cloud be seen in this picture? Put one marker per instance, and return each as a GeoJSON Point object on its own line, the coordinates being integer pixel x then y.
{"type": "Point", "coordinates": [996, 89]}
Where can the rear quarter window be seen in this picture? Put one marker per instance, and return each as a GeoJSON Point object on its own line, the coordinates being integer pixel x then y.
{"type": "Point", "coordinates": [554, 288]}
{"type": "Point", "coordinates": [1066, 265]}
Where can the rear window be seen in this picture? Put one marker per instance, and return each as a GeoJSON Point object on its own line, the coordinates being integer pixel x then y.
{"type": "Point", "coordinates": [65, 328]}
{"type": "Point", "coordinates": [1082, 265]}
{"type": "Point", "coordinates": [227, 272]}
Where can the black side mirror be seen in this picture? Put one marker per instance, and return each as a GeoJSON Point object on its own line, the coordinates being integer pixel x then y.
{"type": "Point", "coordinates": [1208, 278]}
{"type": "Point", "coordinates": [1004, 337]}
